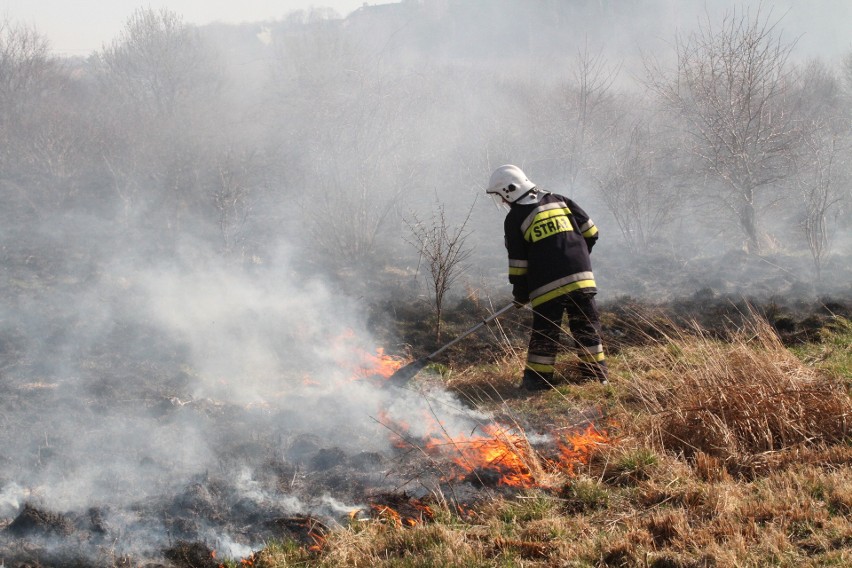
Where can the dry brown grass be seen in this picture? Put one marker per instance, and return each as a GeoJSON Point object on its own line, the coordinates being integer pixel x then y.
{"type": "Point", "coordinates": [797, 517]}
{"type": "Point", "coordinates": [739, 407]}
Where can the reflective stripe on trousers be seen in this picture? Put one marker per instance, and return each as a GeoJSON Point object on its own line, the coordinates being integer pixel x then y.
{"type": "Point", "coordinates": [546, 336]}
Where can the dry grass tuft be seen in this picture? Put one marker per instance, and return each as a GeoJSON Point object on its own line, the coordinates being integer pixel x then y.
{"type": "Point", "coordinates": [710, 468]}
{"type": "Point", "coordinates": [382, 544]}
{"type": "Point", "coordinates": [667, 526]}
{"type": "Point", "coordinates": [524, 548]}
{"type": "Point", "coordinates": [741, 406]}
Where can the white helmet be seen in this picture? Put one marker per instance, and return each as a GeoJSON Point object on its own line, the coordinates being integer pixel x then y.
{"type": "Point", "coordinates": [508, 184]}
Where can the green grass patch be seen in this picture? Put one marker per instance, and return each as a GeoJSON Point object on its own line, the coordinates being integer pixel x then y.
{"type": "Point", "coordinates": [529, 507]}
{"type": "Point", "coordinates": [833, 352]}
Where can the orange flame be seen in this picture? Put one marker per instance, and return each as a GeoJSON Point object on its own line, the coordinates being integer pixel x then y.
{"type": "Point", "coordinates": [499, 452]}
{"type": "Point", "coordinates": [364, 365]}
{"type": "Point", "coordinates": [247, 561]}
{"type": "Point", "coordinates": [416, 512]}
{"type": "Point", "coordinates": [318, 539]}
{"type": "Point", "coordinates": [577, 448]}
{"type": "Point", "coordinates": [378, 365]}
{"type": "Point", "coordinates": [385, 513]}
{"type": "Point", "coordinates": [361, 364]}
{"type": "Point", "coordinates": [502, 457]}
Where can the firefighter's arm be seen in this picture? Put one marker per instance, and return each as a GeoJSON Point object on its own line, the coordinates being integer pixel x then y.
{"type": "Point", "coordinates": [585, 225]}
{"type": "Point", "coordinates": [520, 294]}
{"type": "Point", "coordinates": [517, 251]}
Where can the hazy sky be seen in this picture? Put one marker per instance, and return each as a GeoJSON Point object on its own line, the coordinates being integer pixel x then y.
{"type": "Point", "coordinates": [78, 28]}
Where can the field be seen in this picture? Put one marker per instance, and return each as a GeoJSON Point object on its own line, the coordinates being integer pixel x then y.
{"type": "Point", "coordinates": [715, 449]}
{"type": "Point", "coordinates": [722, 439]}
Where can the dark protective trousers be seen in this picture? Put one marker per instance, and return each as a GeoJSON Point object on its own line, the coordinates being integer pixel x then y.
{"type": "Point", "coordinates": [546, 337]}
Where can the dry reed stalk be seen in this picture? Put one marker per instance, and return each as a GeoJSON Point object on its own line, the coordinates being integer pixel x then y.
{"type": "Point", "coordinates": [741, 403]}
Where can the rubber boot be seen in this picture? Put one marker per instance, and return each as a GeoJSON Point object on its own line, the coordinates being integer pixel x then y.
{"type": "Point", "coordinates": [595, 372]}
{"type": "Point", "coordinates": [534, 381]}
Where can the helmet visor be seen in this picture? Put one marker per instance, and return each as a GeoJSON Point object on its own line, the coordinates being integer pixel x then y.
{"type": "Point", "coordinates": [499, 202]}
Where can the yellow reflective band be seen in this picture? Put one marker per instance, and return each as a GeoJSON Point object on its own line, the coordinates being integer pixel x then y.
{"type": "Point", "coordinates": [592, 357]}
{"type": "Point", "coordinates": [535, 213]}
{"type": "Point", "coordinates": [590, 232]}
{"type": "Point", "coordinates": [541, 368]}
{"type": "Point", "coordinates": [576, 277]}
{"type": "Point", "coordinates": [548, 223]}
{"type": "Point", "coordinates": [514, 271]}
{"type": "Point", "coordinates": [561, 291]}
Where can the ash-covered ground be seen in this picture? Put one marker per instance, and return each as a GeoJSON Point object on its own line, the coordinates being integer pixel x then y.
{"type": "Point", "coordinates": [147, 406]}
{"type": "Point", "coordinates": [135, 475]}
{"type": "Point", "coordinates": [117, 472]}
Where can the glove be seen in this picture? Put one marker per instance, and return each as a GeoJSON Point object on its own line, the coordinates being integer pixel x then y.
{"type": "Point", "coordinates": [520, 294]}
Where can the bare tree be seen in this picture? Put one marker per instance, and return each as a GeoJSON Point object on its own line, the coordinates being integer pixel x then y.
{"type": "Point", "coordinates": [232, 197]}
{"type": "Point", "coordinates": [640, 184]}
{"type": "Point", "coordinates": [584, 113]}
{"type": "Point", "coordinates": [160, 87]}
{"type": "Point", "coordinates": [730, 87]}
{"type": "Point", "coordinates": [443, 248]}
{"type": "Point", "coordinates": [25, 65]}
{"type": "Point", "coordinates": [159, 64]}
{"type": "Point", "coordinates": [818, 165]}
{"type": "Point", "coordinates": [43, 139]}
{"type": "Point", "coordinates": [816, 180]}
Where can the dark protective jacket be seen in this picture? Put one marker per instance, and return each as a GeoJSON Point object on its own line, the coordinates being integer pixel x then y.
{"type": "Point", "coordinates": [549, 244]}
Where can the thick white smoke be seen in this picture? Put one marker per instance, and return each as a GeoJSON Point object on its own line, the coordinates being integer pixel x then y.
{"type": "Point", "coordinates": [281, 350]}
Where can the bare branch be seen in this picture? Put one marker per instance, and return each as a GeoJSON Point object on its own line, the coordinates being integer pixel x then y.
{"type": "Point", "coordinates": [443, 248]}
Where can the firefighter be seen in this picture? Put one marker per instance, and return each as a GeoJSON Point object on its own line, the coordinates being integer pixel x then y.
{"type": "Point", "coordinates": [549, 238]}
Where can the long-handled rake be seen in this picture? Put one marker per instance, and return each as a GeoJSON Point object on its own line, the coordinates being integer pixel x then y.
{"type": "Point", "coordinates": [406, 373]}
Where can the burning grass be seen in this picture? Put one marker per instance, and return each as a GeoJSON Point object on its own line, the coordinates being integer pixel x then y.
{"type": "Point", "coordinates": [705, 450]}
{"type": "Point", "coordinates": [729, 452]}
{"type": "Point", "coordinates": [502, 456]}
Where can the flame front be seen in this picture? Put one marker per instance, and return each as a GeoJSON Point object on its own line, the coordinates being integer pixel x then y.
{"type": "Point", "coordinates": [578, 447]}
{"type": "Point", "coordinates": [378, 365]}
{"type": "Point", "coordinates": [500, 456]}
{"type": "Point", "coordinates": [498, 452]}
